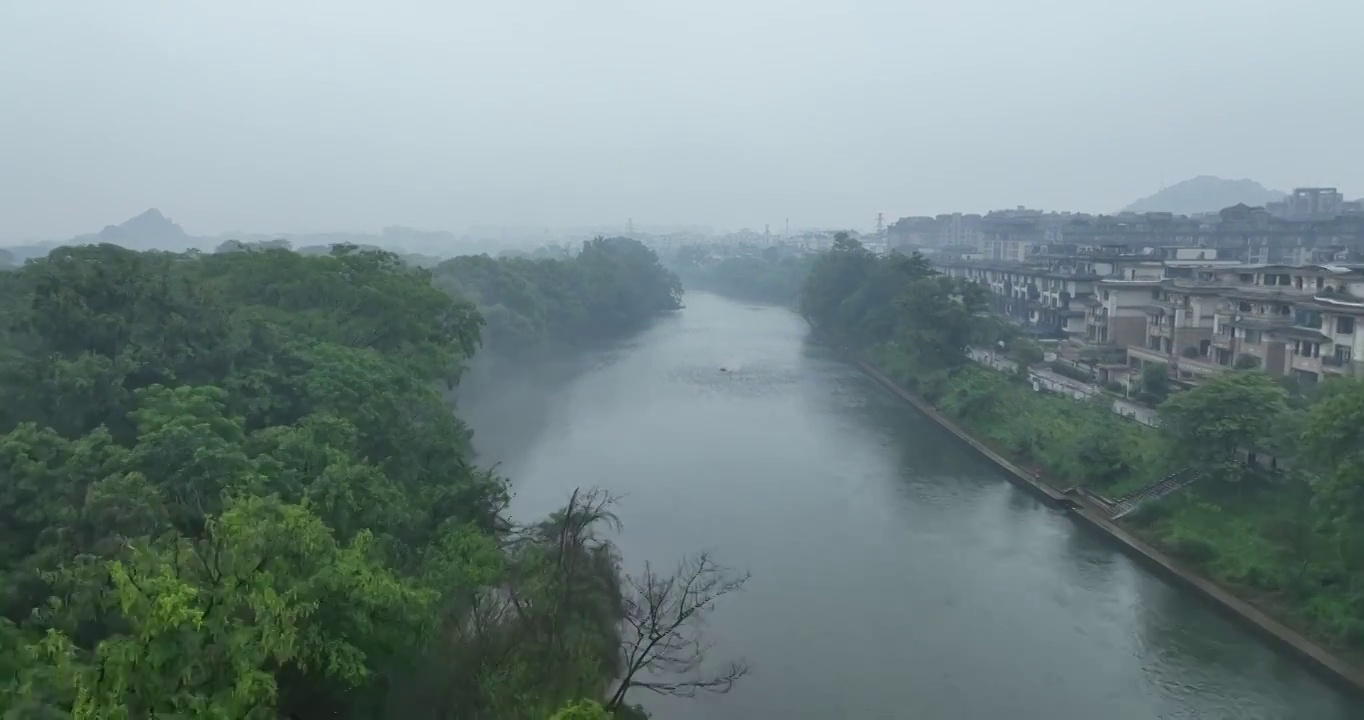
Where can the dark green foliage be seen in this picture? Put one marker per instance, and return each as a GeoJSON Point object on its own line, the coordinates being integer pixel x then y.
{"type": "Point", "coordinates": [612, 286]}
{"type": "Point", "coordinates": [1026, 353]}
{"type": "Point", "coordinates": [896, 302]}
{"type": "Point", "coordinates": [1155, 383]}
{"type": "Point", "coordinates": [1206, 427]}
{"type": "Point", "coordinates": [231, 488]}
{"type": "Point", "coordinates": [1065, 369]}
{"type": "Point", "coordinates": [769, 277]}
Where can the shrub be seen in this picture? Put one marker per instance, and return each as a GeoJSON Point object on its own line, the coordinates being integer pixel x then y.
{"type": "Point", "coordinates": [1065, 369]}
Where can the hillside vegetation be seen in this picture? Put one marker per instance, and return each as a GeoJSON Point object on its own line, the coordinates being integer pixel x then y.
{"type": "Point", "coordinates": [230, 488]}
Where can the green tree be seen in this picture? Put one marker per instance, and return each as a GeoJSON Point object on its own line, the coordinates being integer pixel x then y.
{"type": "Point", "coordinates": [582, 710]}
{"type": "Point", "coordinates": [1208, 426]}
{"type": "Point", "coordinates": [533, 306]}
{"type": "Point", "coordinates": [1026, 354]}
{"type": "Point", "coordinates": [1155, 382]}
{"type": "Point", "coordinates": [1332, 442]}
{"type": "Point", "coordinates": [835, 276]}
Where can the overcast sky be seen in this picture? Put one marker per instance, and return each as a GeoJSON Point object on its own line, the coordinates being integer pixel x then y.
{"type": "Point", "coordinates": [296, 115]}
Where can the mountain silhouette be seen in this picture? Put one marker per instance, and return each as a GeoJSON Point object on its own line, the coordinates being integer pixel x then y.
{"type": "Point", "coordinates": [1205, 194]}
{"type": "Point", "coordinates": [149, 231]}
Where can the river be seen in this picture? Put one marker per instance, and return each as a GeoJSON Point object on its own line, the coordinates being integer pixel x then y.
{"type": "Point", "coordinates": [895, 573]}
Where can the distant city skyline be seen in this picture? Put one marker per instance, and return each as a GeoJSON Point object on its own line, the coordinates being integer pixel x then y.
{"type": "Point", "coordinates": [1202, 191]}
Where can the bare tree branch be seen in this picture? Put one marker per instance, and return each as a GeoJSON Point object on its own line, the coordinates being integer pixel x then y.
{"type": "Point", "coordinates": [662, 644]}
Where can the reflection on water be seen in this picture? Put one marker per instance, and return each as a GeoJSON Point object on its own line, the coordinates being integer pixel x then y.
{"type": "Point", "coordinates": [895, 573]}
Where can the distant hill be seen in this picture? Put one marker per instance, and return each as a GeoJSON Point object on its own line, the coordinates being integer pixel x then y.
{"type": "Point", "coordinates": [149, 231]}
{"type": "Point", "coordinates": [19, 253]}
{"type": "Point", "coordinates": [1203, 194]}
{"type": "Point", "coordinates": [152, 230]}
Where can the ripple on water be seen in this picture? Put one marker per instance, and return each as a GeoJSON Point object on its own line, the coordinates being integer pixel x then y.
{"type": "Point", "coordinates": [739, 379]}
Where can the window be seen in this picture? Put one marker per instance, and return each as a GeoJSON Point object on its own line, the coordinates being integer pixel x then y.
{"type": "Point", "coordinates": [1345, 325]}
{"type": "Point", "coordinates": [1252, 337]}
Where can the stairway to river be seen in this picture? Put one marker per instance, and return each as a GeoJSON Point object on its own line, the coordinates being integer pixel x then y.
{"type": "Point", "coordinates": [1172, 483]}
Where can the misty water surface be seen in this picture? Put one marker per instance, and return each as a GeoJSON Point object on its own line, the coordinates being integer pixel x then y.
{"type": "Point", "coordinates": [895, 575]}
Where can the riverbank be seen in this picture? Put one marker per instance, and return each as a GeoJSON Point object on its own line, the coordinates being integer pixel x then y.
{"type": "Point", "coordinates": [1347, 675]}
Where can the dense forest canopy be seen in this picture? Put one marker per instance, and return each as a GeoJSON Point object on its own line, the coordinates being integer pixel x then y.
{"type": "Point", "coordinates": [770, 275]}
{"type": "Point", "coordinates": [610, 286]}
{"type": "Point", "coordinates": [1287, 534]}
{"type": "Point", "coordinates": [230, 487]}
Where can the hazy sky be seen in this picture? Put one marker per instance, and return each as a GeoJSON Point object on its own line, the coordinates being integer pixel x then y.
{"type": "Point", "coordinates": [293, 115]}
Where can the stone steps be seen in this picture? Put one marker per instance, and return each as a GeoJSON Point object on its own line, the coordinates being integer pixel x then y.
{"type": "Point", "coordinates": [1172, 483]}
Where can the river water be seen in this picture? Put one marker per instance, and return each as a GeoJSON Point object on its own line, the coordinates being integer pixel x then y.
{"type": "Point", "coordinates": [895, 574]}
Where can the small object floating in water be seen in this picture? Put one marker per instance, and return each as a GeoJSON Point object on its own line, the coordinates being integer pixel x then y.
{"type": "Point", "coordinates": [724, 369]}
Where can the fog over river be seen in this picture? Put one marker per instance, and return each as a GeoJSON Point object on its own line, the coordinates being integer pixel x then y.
{"type": "Point", "coordinates": [896, 574]}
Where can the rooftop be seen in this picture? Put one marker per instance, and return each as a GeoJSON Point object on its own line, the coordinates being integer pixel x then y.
{"type": "Point", "coordinates": [1300, 333]}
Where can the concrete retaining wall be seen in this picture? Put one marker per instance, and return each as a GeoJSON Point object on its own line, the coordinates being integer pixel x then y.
{"type": "Point", "coordinates": [1329, 666]}
{"type": "Point", "coordinates": [1047, 493]}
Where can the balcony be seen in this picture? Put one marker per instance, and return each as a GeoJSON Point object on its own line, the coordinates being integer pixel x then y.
{"type": "Point", "coordinates": [1158, 330]}
{"type": "Point", "coordinates": [1260, 322]}
{"type": "Point", "coordinates": [1223, 341]}
{"type": "Point", "coordinates": [1338, 365]}
{"type": "Point", "coordinates": [1305, 363]}
{"type": "Point", "coordinates": [1198, 365]}
{"type": "Point", "coordinates": [1146, 354]}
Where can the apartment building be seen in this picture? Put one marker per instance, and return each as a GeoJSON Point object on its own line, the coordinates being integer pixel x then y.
{"type": "Point", "coordinates": [1044, 300]}
{"type": "Point", "coordinates": [1095, 296]}
{"type": "Point", "coordinates": [1134, 230]}
{"type": "Point", "coordinates": [1254, 235]}
{"type": "Point", "coordinates": [1313, 203]}
{"type": "Point", "coordinates": [1313, 226]}
{"type": "Point", "coordinates": [1114, 315]}
{"type": "Point", "coordinates": [1290, 320]}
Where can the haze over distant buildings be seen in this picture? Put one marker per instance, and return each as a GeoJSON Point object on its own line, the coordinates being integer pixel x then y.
{"type": "Point", "coordinates": [1204, 194]}
{"type": "Point", "coordinates": [352, 115]}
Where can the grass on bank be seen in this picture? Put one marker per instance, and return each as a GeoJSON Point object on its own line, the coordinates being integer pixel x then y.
{"type": "Point", "coordinates": [1255, 536]}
